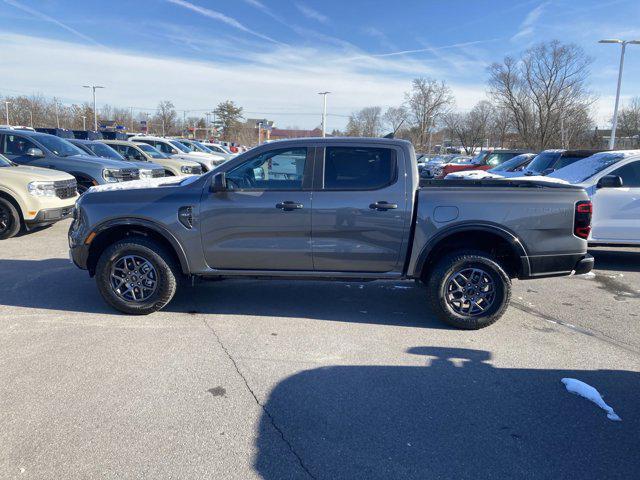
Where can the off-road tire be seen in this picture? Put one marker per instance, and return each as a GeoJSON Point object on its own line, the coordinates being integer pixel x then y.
{"type": "Point", "coordinates": [10, 214]}
{"type": "Point", "coordinates": [167, 275]}
{"type": "Point", "coordinates": [456, 261]}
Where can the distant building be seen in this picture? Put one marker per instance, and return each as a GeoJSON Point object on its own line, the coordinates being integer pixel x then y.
{"type": "Point", "coordinates": [283, 133]}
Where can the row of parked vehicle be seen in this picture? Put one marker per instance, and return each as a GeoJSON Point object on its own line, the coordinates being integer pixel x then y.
{"type": "Point", "coordinates": [610, 178]}
{"type": "Point", "coordinates": [43, 172]}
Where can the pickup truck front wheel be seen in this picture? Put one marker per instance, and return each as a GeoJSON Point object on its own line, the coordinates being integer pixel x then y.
{"type": "Point", "coordinates": [468, 290]}
{"type": "Point", "coordinates": [135, 276]}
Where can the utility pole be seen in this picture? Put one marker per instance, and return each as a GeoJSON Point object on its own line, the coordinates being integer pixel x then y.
{"type": "Point", "coordinates": [623, 43]}
{"type": "Point", "coordinates": [57, 116]}
{"type": "Point", "coordinates": [95, 113]}
{"type": "Point", "coordinates": [324, 112]}
{"type": "Point", "coordinates": [6, 106]}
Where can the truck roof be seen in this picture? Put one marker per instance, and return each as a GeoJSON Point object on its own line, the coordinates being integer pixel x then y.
{"type": "Point", "coordinates": [341, 140]}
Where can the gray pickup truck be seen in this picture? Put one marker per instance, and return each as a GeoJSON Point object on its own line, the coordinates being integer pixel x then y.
{"type": "Point", "coordinates": [332, 209]}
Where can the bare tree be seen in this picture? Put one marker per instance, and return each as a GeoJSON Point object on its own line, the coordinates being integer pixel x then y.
{"type": "Point", "coordinates": [629, 123]}
{"type": "Point", "coordinates": [500, 125]}
{"type": "Point", "coordinates": [540, 89]}
{"type": "Point", "coordinates": [426, 102]}
{"type": "Point", "coordinates": [394, 118]}
{"type": "Point", "coordinates": [166, 117]}
{"type": "Point", "coordinates": [365, 123]}
{"type": "Point", "coordinates": [470, 129]}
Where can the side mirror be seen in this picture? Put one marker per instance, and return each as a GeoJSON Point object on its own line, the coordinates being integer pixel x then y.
{"type": "Point", "coordinates": [35, 152]}
{"type": "Point", "coordinates": [219, 183]}
{"type": "Point", "coordinates": [547, 171]}
{"type": "Point", "coordinates": [610, 181]}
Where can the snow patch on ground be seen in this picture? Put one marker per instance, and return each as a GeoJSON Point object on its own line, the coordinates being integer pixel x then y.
{"type": "Point", "coordinates": [587, 391]}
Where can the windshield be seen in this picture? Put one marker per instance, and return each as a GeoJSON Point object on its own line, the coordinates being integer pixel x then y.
{"type": "Point", "coordinates": [59, 146]}
{"type": "Point", "coordinates": [478, 158]}
{"type": "Point", "coordinates": [102, 150]}
{"type": "Point", "coordinates": [201, 147]}
{"type": "Point", "coordinates": [179, 146]}
{"type": "Point", "coordinates": [498, 158]}
{"type": "Point", "coordinates": [5, 162]}
{"type": "Point", "coordinates": [151, 151]}
{"type": "Point", "coordinates": [586, 168]}
{"type": "Point", "coordinates": [515, 162]}
{"type": "Point", "coordinates": [543, 161]}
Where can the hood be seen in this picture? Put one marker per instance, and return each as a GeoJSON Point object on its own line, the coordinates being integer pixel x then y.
{"type": "Point", "coordinates": [34, 173]}
{"type": "Point", "coordinates": [211, 156]}
{"type": "Point", "coordinates": [143, 184]}
{"type": "Point", "coordinates": [146, 165]}
{"type": "Point", "coordinates": [103, 162]}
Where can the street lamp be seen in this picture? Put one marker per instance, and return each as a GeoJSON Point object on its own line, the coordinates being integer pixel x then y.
{"type": "Point", "coordinates": [84, 122]}
{"type": "Point", "coordinates": [6, 106]}
{"type": "Point", "coordinates": [95, 113]}
{"type": "Point", "coordinates": [624, 43]}
{"type": "Point", "coordinates": [324, 111]}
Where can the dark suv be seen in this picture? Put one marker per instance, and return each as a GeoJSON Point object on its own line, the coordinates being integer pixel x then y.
{"type": "Point", "coordinates": [43, 150]}
{"type": "Point", "coordinates": [549, 161]}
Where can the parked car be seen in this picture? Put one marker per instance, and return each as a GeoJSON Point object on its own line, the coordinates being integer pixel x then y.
{"type": "Point", "coordinates": [175, 149]}
{"type": "Point", "coordinates": [94, 147]}
{"type": "Point", "coordinates": [143, 151]}
{"type": "Point", "coordinates": [211, 148]}
{"type": "Point", "coordinates": [253, 217]}
{"type": "Point", "coordinates": [510, 168]}
{"type": "Point", "coordinates": [49, 151]}
{"type": "Point", "coordinates": [551, 160]}
{"type": "Point", "coordinates": [433, 164]}
{"type": "Point", "coordinates": [33, 197]}
{"type": "Point", "coordinates": [612, 180]}
{"type": "Point", "coordinates": [218, 148]}
{"type": "Point", "coordinates": [484, 160]}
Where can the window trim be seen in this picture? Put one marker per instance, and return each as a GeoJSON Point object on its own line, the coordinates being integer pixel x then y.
{"type": "Point", "coordinates": [322, 155]}
{"type": "Point", "coordinates": [307, 174]}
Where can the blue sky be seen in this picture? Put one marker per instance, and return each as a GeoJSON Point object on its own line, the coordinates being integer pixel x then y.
{"type": "Point", "coordinates": [272, 57]}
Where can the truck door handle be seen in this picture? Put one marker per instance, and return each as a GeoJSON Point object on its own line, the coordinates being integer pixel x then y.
{"type": "Point", "coordinates": [382, 206]}
{"type": "Point", "coordinates": [289, 206]}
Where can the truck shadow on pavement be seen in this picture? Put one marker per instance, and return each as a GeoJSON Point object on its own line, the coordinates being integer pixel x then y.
{"type": "Point", "coordinates": [55, 284]}
{"type": "Point", "coordinates": [457, 417]}
{"type": "Point", "coordinates": [618, 259]}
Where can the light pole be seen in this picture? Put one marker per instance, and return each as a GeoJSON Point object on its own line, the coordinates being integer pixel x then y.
{"type": "Point", "coordinates": [95, 113]}
{"type": "Point", "coordinates": [84, 122]}
{"type": "Point", "coordinates": [259, 132]}
{"type": "Point", "coordinates": [324, 112]}
{"type": "Point", "coordinates": [623, 43]}
{"type": "Point", "coordinates": [31, 117]}
{"type": "Point", "coordinates": [6, 107]}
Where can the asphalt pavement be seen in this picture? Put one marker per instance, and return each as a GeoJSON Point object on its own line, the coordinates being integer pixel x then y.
{"type": "Point", "coordinates": [251, 379]}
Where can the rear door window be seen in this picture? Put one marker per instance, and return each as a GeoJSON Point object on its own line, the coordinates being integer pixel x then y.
{"type": "Point", "coordinates": [630, 174]}
{"type": "Point", "coordinates": [359, 168]}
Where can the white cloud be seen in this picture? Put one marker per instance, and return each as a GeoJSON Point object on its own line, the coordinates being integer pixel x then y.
{"type": "Point", "coordinates": [47, 18]}
{"type": "Point", "coordinates": [527, 26]}
{"type": "Point", "coordinates": [280, 85]}
{"type": "Point", "coordinates": [215, 15]}
{"type": "Point", "coordinates": [311, 13]}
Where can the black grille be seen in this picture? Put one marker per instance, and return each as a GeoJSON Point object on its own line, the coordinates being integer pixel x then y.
{"type": "Point", "coordinates": [196, 170]}
{"type": "Point", "coordinates": [65, 188]}
{"type": "Point", "coordinates": [127, 174]}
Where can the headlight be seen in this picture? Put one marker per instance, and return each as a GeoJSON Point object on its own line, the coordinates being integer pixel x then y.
{"type": "Point", "coordinates": [42, 189]}
{"type": "Point", "coordinates": [186, 169]}
{"type": "Point", "coordinates": [111, 175]}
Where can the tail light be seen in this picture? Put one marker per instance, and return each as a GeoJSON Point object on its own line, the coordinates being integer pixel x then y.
{"type": "Point", "coordinates": [582, 219]}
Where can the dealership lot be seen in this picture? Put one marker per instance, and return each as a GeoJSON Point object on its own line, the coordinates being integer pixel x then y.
{"type": "Point", "coordinates": [250, 379]}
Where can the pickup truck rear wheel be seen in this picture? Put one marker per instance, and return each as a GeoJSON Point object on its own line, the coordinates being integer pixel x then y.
{"type": "Point", "coordinates": [136, 276]}
{"type": "Point", "coordinates": [9, 219]}
{"type": "Point", "coordinates": [468, 290]}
